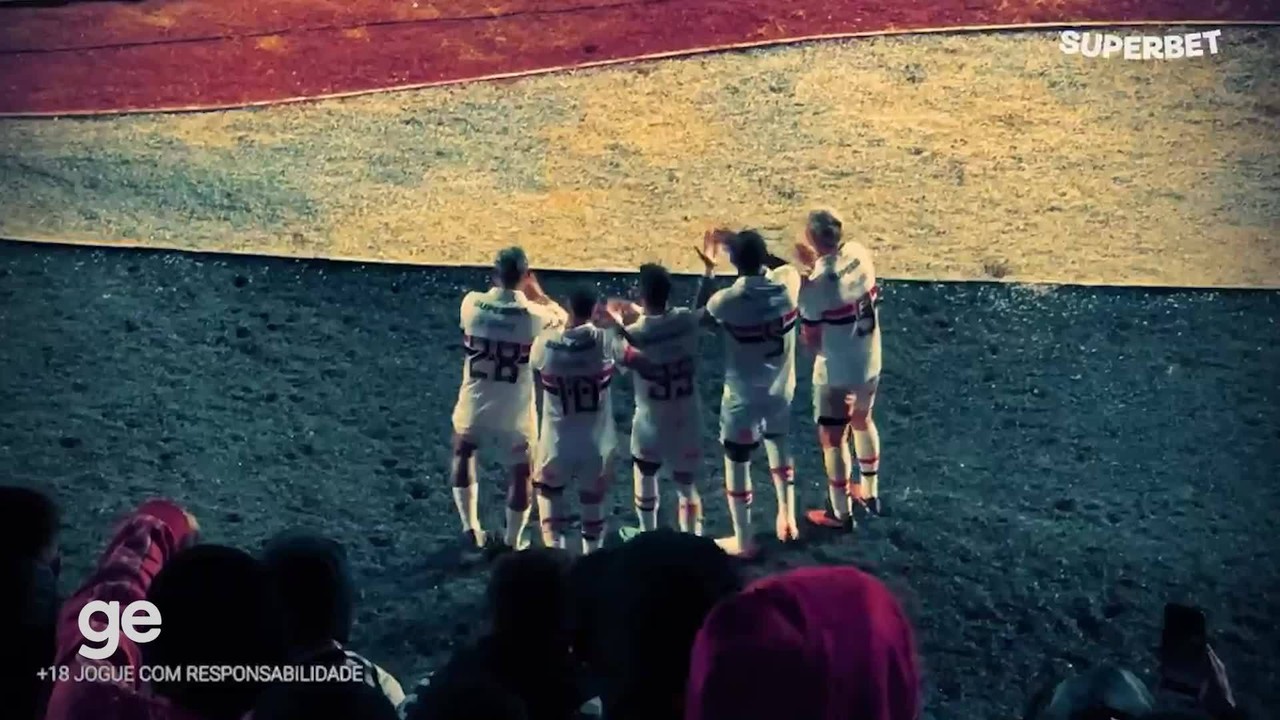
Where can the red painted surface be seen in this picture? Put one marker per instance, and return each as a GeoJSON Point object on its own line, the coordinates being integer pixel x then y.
{"type": "Point", "coordinates": [187, 54]}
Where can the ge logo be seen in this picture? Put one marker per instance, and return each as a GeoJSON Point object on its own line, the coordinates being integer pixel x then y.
{"type": "Point", "coordinates": [140, 614]}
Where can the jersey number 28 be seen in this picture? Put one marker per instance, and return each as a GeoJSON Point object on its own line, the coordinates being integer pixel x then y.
{"type": "Point", "coordinates": [505, 358]}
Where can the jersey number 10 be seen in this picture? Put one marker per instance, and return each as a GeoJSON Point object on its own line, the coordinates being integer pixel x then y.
{"type": "Point", "coordinates": [577, 394]}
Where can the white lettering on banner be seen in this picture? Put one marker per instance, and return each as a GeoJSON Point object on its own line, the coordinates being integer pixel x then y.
{"type": "Point", "coordinates": [138, 614]}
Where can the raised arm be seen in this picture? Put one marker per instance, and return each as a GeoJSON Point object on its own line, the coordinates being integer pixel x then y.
{"type": "Point", "coordinates": [711, 242]}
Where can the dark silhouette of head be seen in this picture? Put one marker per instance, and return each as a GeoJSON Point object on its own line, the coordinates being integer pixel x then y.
{"type": "Point", "coordinates": [313, 579]}
{"type": "Point", "coordinates": [219, 607]}
{"type": "Point", "coordinates": [473, 697]}
{"type": "Point", "coordinates": [29, 598]}
{"type": "Point", "coordinates": [350, 700]}
{"type": "Point", "coordinates": [28, 524]}
{"type": "Point", "coordinates": [527, 596]}
{"type": "Point", "coordinates": [510, 268]}
{"type": "Point", "coordinates": [655, 287]}
{"type": "Point", "coordinates": [748, 252]}
{"type": "Point", "coordinates": [582, 303]}
{"type": "Point", "coordinates": [638, 608]}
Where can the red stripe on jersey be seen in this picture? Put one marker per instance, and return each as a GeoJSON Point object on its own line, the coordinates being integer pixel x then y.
{"type": "Point", "coordinates": [764, 327]}
{"type": "Point", "coordinates": [840, 312]}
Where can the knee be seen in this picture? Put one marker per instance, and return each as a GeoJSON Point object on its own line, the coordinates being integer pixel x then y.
{"type": "Point", "coordinates": [739, 452]}
{"type": "Point", "coordinates": [646, 467]}
{"type": "Point", "coordinates": [548, 490]}
{"type": "Point", "coordinates": [463, 449]}
{"type": "Point", "coordinates": [831, 431]}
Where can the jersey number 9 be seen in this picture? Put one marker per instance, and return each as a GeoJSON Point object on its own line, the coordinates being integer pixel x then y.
{"type": "Point", "coordinates": [505, 358]}
{"type": "Point", "coordinates": [672, 380]}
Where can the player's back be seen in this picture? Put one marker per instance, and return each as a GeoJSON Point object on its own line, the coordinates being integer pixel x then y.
{"type": "Point", "coordinates": [499, 328]}
{"type": "Point", "coordinates": [576, 368]}
{"type": "Point", "coordinates": [840, 297]}
{"type": "Point", "coordinates": [758, 314]}
{"type": "Point", "coordinates": [666, 389]}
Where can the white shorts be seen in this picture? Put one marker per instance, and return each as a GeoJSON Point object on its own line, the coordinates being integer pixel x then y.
{"type": "Point", "coordinates": [747, 422]}
{"type": "Point", "coordinates": [559, 469]}
{"type": "Point", "coordinates": [511, 447]}
{"type": "Point", "coordinates": [843, 403]}
{"type": "Point", "coordinates": [671, 446]}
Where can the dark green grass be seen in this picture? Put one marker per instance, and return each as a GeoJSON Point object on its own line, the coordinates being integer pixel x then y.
{"type": "Point", "coordinates": [1062, 462]}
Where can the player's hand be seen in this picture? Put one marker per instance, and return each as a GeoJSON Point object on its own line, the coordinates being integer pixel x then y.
{"type": "Point", "coordinates": [604, 317]}
{"type": "Point", "coordinates": [806, 256]}
{"type": "Point", "coordinates": [625, 310]}
{"type": "Point", "coordinates": [712, 241]}
{"type": "Point", "coordinates": [532, 288]}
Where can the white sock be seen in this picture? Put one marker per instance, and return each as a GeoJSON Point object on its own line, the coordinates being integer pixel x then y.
{"type": "Point", "coordinates": [690, 515]}
{"type": "Point", "coordinates": [782, 470]}
{"type": "Point", "coordinates": [516, 520]}
{"type": "Point", "coordinates": [464, 499]}
{"type": "Point", "coordinates": [867, 444]}
{"type": "Point", "coordinates": [646, 500]}
{"type": "Point", "coordinates": [551, 515]}
{"type": "Point", "coordinates": [837, 461]}
{"type": "Point", "coordinates": [592, 524]}
{"type": "Point", "coordinates": [737, 477]}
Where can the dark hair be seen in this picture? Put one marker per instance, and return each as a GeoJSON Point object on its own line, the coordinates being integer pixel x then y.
{"type": "Point", "coordinates": [313, 580]}
{"type": "Point", "coordinates": [639, 634]}
{"type": "Point", "coordinates": [825, 227]}
{"type": "Point", "coordinates": [655, 286]}
{"type": "Point", "coordinates": [219, 608]}
{"type": "Point", "coordinates": [511, 266]}
{"type": "Point", "coordinates": [335, 699]}
{"type": "Point", "coordinates": [528, 594]}
{"type": "Point", "coordinates": [582, 301]}
{"type": "Point", "coordinates": [28, 522]}
{"type": "Point", "coordinates": [748, 252]}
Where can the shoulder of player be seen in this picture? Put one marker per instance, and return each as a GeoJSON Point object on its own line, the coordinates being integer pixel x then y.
{"type": "Point", "coordinates": [783, 273]}
{"type": "Point", "coordinates": [719, 297]}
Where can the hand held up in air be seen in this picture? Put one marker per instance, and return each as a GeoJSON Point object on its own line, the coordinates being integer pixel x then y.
{"type": "Point", "coordinates": [806, 256]}
{"type": "Point", "coordinates": [532, 288]}
{"type": "Point", "coordinates": [709, 253]}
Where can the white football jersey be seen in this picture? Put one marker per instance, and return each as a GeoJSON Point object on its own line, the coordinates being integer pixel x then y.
{"type": "Point", "coordinates": [576, 367]}
{"type": "Point", "coordinates": [759, 316]}
{"type": "Point", "coordinates": [840, 297]}
{"type": "Point", "coordinates": [498, 330]}
{"type": "Point", "coordinates": [667, 394]}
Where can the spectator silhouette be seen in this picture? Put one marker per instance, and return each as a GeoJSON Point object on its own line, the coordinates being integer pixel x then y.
{"type": "Point", "coordinates": [829, 643]}
{"type": "Point", "coordinates": [217, 608]}
{"type": "Point", "coordinates": [478, 697]}
{"type": "Point", "coordinates": [313, 580]}
{"type": "Point", "coordinates": [525, 653]}
{"type": "Point", "coordinates": [1104, 690]}
{"type": "Point", "coordinates": [638, 607]}
{"type": "Point", "coordinates": [29, 565]}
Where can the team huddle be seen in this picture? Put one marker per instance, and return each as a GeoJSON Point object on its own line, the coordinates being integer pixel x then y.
{"type": "Point", "coordinates": [521, 345]}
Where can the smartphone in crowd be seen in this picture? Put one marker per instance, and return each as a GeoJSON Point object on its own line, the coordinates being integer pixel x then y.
{"type": "Point", "coordinates": [1184, 645]}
